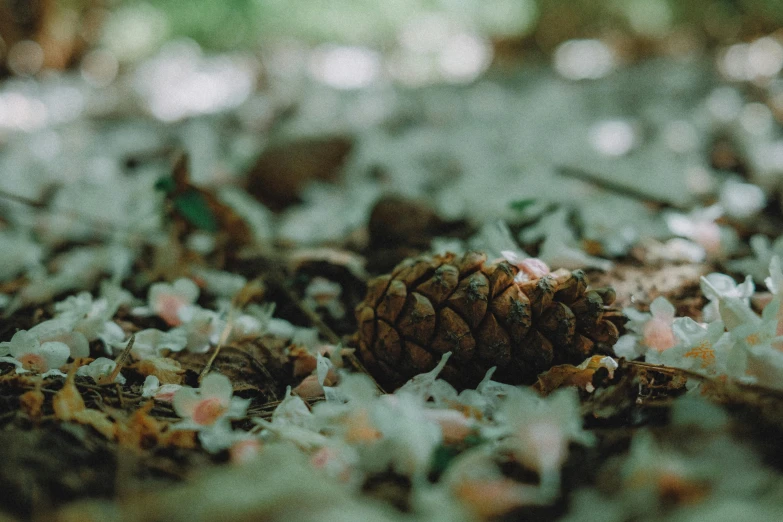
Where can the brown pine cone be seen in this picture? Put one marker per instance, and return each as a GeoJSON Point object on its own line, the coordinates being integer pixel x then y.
{"type": "Point", "coordinates": [429, 306]}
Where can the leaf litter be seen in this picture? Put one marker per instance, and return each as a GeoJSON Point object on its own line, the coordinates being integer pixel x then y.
{"type": "Point", "coordinates": [178, 337]}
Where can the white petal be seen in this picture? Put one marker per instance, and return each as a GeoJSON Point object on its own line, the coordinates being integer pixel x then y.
{"type": "Point", "coordinates": [115, 297]}
{"type": "Point", "coordinates": [724, 284]}
{"type": "Point", "coordinates": [11, 360]}
{"type": "Point", "coordinates": [217, 437]}
{"type": "Point", "coordinates": [23, 342]}
{"type": "Point", "coordinates": [166, 392]}
{"type": "Point", "coordinates": [142, 311]}
{"type": "Point", "coordinates": [680, 224]}
{"type": "Point", "coordinates": [77, 344]}
{"type": "Point", "coordinates": [187, 313]}
{"type": "Point", "coordinates": [775, 280]}
{"type": "Point", "coordinates": [747, 288]}
{"type": "Point", "coordinates": [708, 289]}
{"type": "Point", "coordinates": [175, 340]}
{"type": "Point", "coordinates": [55, 353]}
{"type": "Point", "coordinates": [291, 410]}
{"type": "Point", "coordinates": [688, 330]}
{"type": "Point", "coordinates": [154, 293]}
{"type": "Point", "coordinates": [628, 346]}
{"type": "Point", "coordinates": [556, 253]}
{"type": "Point", "coordinates": [56, 372]}
{"type": "Point", "coordinates": [218, 386]}
{"type": "Point", "coordinates": [150, 386]}
{"type": "Point", "coordinates": [322, 368]}
{"type": "Point", "coordinates": [185, 402]}
{"type": "Point", "coordinates": [660, 307]}
{"type": "Point", "coordinates": [52, 328]}
{"type": "Point", "coordinates": [100, 367]}
{"type": "Point", "coordinates": [186, 288]}
{"type": "Point", "coordinates": [237, 408]}
{"type": "Point", "coordinates": [111, 333]}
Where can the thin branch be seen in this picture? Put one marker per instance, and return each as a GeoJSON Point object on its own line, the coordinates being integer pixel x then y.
{"type": "Point", "coordinates": [98, 224]}
{"type": "Point", "coordinates": [223, 338]}
{"type": "Point", "coordinates": [24, 200]}
{"type": "Point", "coordinates": [120, 362]}
{"type": "Point", "coordinates": [619, 188]}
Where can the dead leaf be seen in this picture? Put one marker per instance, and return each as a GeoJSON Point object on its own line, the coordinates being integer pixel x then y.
{"type": "Point", "coordinates": [284, 169]}
{"type": "Point", "coordinates": [253, 290]}
{"type": "Point", "coordinates": [68, 400]}
{"type": "Point", "coordinates": [168, 371]}
{"type": "Point", "coordinates": [141, 430]}
{"type": "Point", "coordinates": [31, 403]}
{"type": "Point", "coordinates": [98, 420]}
{"type": "Point", "coordinates": [570, 375]}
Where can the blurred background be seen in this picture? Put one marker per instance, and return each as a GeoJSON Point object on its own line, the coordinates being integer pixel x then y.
{"type": "Point", "coordinates": [613, 111]}
{"type": "Point", "coordinates": [422, 37]}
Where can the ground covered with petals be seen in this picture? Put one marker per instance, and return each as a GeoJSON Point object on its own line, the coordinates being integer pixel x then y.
{"type": "Point", "coordinates": [184, 272]}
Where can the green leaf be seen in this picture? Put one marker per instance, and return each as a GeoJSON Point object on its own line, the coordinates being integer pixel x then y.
{"type": "Point", "coordinates": [521, 204]}
{"type": "Point", "coordinates": [194, 208]}
{"type": "Point", "coordinates": [442, 457]}
{"type": "Point", "coordinates": [165, 184]}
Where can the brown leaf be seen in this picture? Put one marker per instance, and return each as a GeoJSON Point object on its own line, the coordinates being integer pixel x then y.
{"type": "Point", "coordinates": [141, 430]}
{"type": "Point", "coordinates": [283, 170]}
{"type": "Point", "coordinates": [31, 403]}
{"type": "Point", "coordinates": [168, 371]}
{"type": "Point", "coordinates": [570, 375]}
{"type": "Point", "coordinates": [67, 401]}
{"type": "Point", "coordinates": [98, 420]}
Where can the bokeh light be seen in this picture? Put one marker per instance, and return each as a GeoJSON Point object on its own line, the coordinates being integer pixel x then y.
{"type": "Point", "coordinates": [584, 59]}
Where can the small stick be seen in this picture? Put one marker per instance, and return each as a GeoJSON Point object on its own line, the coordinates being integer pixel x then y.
{"type": "Point", "coordinates": [120, 361]}
{"type": "Point", "coordinates": [24, 200]}
{"type": "Point", "coordinates": [619, 188]}
{"type": "Point", "coordinates": [99, 225]}
{"type": "Point", "coordinates": [223, 338]}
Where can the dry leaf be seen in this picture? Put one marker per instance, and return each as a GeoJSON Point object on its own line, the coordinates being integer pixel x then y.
{"type": "Point", "coordinates": [142, 430]}
{"type": "Point", "coordinates": [68, 400]}
{"type": "Point", "coordinates": [98, 420]}
{"type": "Point", "coordinates": [168, 371]}
{"type": "Point", "coordinates": [284, 169]}
{"type": "Point", "coordinates": [31, 403]}
{"type": "Point", "coordinates": [253, 290]}
{"type": "Point", "coordinates": [570, 375]}
{"type": "Point", "coordinates": [185, 439]}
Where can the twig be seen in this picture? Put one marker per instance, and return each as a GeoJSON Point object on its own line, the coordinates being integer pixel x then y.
{"type": "Point", "coordinates": [98, 224]}
{"type": "Point", "coordinates": [671, 370]}
{"type": "Point", "coordinates": [24, 200]}
{"type": "Point", "coordinates": [619, 188]}
{"type": "Point", "coordinates": [120, 362]}
{"type": "Point", "coordinates": [223, 338]}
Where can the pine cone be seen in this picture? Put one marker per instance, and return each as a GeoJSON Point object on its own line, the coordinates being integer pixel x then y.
{"type": "Point", "coordinates": [428, 306]}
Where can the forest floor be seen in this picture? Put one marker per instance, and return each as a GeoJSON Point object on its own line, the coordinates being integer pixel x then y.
{"type": "Point", "coordinates": [145, 252]}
